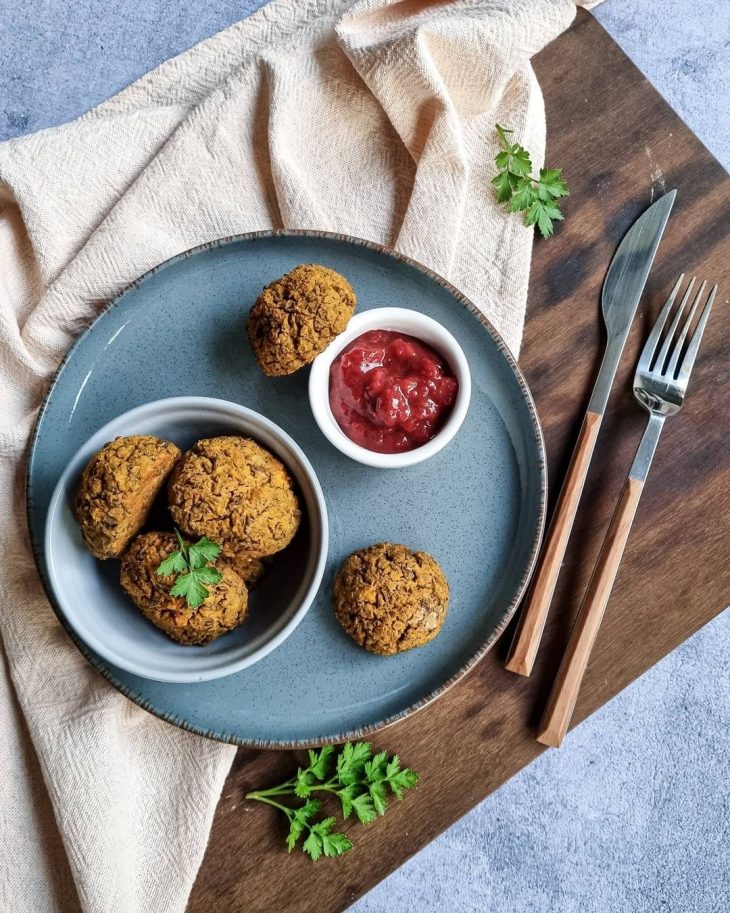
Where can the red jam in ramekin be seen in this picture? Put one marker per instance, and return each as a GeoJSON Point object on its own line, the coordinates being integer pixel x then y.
{"type": "Point", "coordinates": [390, 392]}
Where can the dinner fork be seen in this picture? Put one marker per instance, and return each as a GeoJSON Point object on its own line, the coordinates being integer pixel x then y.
{"type": "Point", "coordinates": [660, 385]}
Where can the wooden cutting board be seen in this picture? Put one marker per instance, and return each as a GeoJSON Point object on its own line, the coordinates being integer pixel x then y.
{"type": "Point", "coordinates": [620, 146]}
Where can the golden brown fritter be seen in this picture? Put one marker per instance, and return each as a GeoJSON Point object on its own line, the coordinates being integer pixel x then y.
{"type": "Point", "coordinates": [117, 489]}
{"type": "Point", "coordinates": [250, 570]}
{"type": "Point", "coordinates": [236, 493]}
{"type": "Point", "coordinates": [390, 599]}
{"type": "Point", "coordinates": [224, 609]}
{"type": "Point", "coordinates": [296, 318]}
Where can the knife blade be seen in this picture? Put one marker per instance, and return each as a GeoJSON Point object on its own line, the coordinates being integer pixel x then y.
{"type": "Point", "coordinates": [622, 290]}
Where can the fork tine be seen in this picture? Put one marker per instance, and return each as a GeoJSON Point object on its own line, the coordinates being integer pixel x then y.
{"type": "Point", "coordinates": [671, 368]}
{"type": "Point", "coordinates": [661, 358]}
{"type": "Point", "coordinates": [652, 342]}
{"type": "Point", "coordinates": [685, 368]}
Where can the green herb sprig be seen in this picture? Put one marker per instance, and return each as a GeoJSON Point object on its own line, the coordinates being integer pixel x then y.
{"type": "Point", "coordinates": [516, 186]}
{"type": "Point", "coordinates": [191, 564]}
{"type": "Point", "coordinates": [362, 782]}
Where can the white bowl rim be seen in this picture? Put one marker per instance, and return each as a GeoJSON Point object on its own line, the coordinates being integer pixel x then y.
{"type": "Point", "coordinates": [413, 323]}
{"type": "Point", "coordinates": [226, 667]}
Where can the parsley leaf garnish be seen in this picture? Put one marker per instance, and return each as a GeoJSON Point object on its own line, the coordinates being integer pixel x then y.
{"type": "Point", "coordinates": [363, 807]}
{"type": "Point", "coordinates": [514, 159]}
{"type": "Point", "coordinates": [299, 820]}
{"type": "Point", "coordinates": [191, 565]}
{"type": "Point", "coordinates": [175, 564]}
{"type": "Point", "coordinates": [351, 760]}
{"type": "Point", "coordinates": [318, 761]}
{"type": "Point", "coordinates": [515, 186]}
{"type": "Point", "coordinates": [322, 840]}
{"type": "Point", "coordinates": [360, 780]}
{"type": "Point", "coordinates": [202, 552]}
{"type": "Point", "coordinates": [550, 184]}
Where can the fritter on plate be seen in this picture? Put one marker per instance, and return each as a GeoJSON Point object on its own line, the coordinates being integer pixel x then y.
{"type": "Point", "coordinates": [117, 489]}
{"type": "Point", "coordinates": [236, 493]}
{"type": "Point", "coordinates": [296, 318]}
{"type": "Point", "coordinates": [224, 609]}
{"type": "Point", "coordinates": [390, 599]}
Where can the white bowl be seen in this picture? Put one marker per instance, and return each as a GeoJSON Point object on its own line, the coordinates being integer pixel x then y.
{"type": "Point", "coordinates": [99, 612]}
{"type": "Point", "coordinates": [411, 323]}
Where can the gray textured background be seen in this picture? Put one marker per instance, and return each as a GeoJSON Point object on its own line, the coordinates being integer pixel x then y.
{"type": "Point", "coordinates": [633, 813]}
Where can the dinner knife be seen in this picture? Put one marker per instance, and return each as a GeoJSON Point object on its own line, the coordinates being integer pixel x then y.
{"type": "Point", "coordinates": [622, 290]}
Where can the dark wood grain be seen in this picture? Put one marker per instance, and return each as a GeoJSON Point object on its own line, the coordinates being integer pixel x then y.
{"type": "Point", "coordinates": [613, 135]}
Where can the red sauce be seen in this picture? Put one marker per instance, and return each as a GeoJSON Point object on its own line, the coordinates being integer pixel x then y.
{"type": "Point", "coordinates": [390, 392]}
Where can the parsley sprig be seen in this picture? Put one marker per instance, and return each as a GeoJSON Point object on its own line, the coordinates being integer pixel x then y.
{"type": "Point", "coordinates": [190, 563]}
{"type": "Point", "coordinates": [360, 780]}
{"type": "Point", "coordinates": [536, 197]}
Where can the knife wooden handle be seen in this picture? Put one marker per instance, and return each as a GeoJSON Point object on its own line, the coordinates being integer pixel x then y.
{"type": "Point", "coordinates": [523, 650]}
{"type": "Point", "coordinates": [561, 703]}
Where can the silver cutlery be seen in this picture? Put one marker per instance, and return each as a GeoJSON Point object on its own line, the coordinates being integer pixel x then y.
{"type": "Point", "coordinates": [622, 289]}
{"type": "Point", "coordinates": [660, 385]}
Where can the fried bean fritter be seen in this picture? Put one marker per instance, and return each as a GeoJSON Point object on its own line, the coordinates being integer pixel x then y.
{"type": "Point", "coordinates": [236, 493]}
{"type": "Point", "coordinates": [250, 570]}
{"type": "Point", "coordinates": [117, 489]}
{"type": "Point", "coordinates": [225, 608]}
{"type": "Point", "coordinates": [296, 318]}
{"type": "Point", "coordinates": [390, 599]}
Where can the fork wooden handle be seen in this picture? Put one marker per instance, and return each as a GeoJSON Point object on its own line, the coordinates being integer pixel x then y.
{"type": "Point", "coordinates": [523, 650]}
{"type": "Point", "coordinates": [561, 703]}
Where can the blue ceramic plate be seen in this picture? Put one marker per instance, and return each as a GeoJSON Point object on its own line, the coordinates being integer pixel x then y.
{"type": "Point", "coordinates": [478, 506]}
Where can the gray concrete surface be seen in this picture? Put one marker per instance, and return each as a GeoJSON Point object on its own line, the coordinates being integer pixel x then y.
{"type": "Point", "coordinates": [632, 815]}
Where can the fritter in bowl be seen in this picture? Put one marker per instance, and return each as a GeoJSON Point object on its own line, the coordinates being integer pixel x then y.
{"type": "Point", "coordinates": [236, 493]}
{"type": "Point", "coordinates": [225, 608]}
{"type": "Point", "coordinates": [296, 318]}
{"type": "Point", "coordinates": [250, 570]}
{"type": "Point", "coordinates": [390, 599]}
{"type": "Point", "coordinates": [117, 489]}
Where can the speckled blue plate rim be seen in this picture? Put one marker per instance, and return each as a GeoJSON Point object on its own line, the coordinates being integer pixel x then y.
{"type": "Point", "coordinates": [483, 649]}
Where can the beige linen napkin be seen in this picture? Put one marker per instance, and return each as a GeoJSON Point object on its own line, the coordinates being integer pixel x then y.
{"type": "Point", "coordinates": [374, 119]}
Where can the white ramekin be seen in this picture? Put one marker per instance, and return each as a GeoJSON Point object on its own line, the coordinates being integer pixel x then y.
{"type": "Point", "coordinates": [411, 323]}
